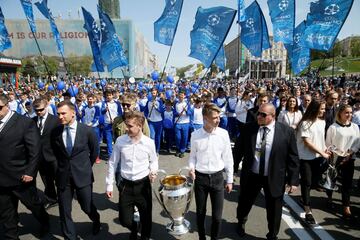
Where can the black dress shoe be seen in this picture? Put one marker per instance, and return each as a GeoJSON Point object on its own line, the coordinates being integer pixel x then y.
{"type": "Point", "coordinates": [241, 230]}
{"type": "Point", "coordinates": [96, 227]}
{"type": "Point", "coordinates": [44, 230]}
{"type": "Point", "coordinates": [133, 235]}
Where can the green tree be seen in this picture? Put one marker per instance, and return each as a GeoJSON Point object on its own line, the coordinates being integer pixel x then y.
{"type": "Point", "coordinates": [355, 47]}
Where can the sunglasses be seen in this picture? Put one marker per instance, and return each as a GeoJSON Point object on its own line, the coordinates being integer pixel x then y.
{"type": "Point", "coordinates": [1, 107]}
{"type": "Point", "coordinates": [262, 114]}
{"type": "Point", "coordinates": [39, 109]}
{"type": "Point", "coordinates": [126, 105]}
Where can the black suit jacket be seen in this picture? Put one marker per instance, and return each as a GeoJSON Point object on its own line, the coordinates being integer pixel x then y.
{"type": "Point", "coordinates": [47, 153]}
{"type": "Point", "coordinates": [79, 164]}
{"type": "Point", "coordinates": [251, 114]}
{"type": "Point", "coordinates": [19, 150]}
{"type": "Point", "coordinates": [283, 161]}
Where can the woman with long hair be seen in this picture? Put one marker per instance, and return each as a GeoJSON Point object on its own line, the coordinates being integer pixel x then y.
{"type": "Point", "coordinates": [292, 115]}
{"type": "Point", "coordinates": [343, 137]}
{"type": "Point", "coordinates": [311, 148]}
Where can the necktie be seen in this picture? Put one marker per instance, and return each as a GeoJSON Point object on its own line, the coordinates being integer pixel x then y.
{"type": "Point", "coordinates": [68, 141]}
{"type": "Point", "coordinates": [40, 124]}
{"type": "Point", "coordinates": [262, 151]}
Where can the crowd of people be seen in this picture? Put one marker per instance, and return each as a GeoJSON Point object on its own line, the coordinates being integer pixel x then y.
{"type": "Point", "coordinates": [286, 133]}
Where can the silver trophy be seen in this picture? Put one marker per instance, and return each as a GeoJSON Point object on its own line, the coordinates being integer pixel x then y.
{"type": "Point", "coordinates": [174, 195]}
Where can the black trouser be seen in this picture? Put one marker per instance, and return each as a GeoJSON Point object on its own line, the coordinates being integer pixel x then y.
{"type": "Point", "coordinates": [346, 171]}
{"type": "Point", "coordinates": [310, 176]}
{"type": "Point", "coordinates": [9, 199]}
{"type": "Point", "coordinates": [85, 199]}
{"type": "Point", "coordinates": [213, 185]}
{"type": "Point", "coordinates": [136, 193]}
{"type": "Point", "coordinates": [47, 172]}
{"type": "Point", "coordinates": [247, 197]}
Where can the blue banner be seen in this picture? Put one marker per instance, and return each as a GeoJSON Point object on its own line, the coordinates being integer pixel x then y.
{"type": "Point", "coordinates": [299, 56]}
{"type": "Point", "coordinates": [265, 33]}
{"type": "Point", "coordinates": [241, 11]}
{"type": "Point", "coordinates": [220, 59]}
{"type": "Point", "coordinates": [209, 32]}
{"type": "Point", "coordinates": [94, 38]}
{"type": "Point", "coordinates": [165, 27]}
{"type": "Point", "coordinates": [324, 23]}
{"type": "Point", "coordinates": [28, 10]}
{"type": "Point", "coordinates": [4, 35]}
{"type": "Point", "coordinates": [47, 14]}
{"type": "Point", "coordinates": [254, 33]}
{"type": "Point", "coordinates": [112, 52]}
{"type": "Point", "coordinates": [282, 14]}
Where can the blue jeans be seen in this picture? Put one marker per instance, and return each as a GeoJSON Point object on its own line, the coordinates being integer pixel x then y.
{"type": "Point", "coordinates": [156, 132]}
{"type": "Point", "coordinates": [181, 136]}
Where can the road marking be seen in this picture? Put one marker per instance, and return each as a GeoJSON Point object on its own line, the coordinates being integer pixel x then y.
{"type": "Point", "coordinates": [317, 229]}
{"type": "Point", "coordinates": [295, 225]}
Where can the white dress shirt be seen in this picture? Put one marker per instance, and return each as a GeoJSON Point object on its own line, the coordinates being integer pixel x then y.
{"type": "Point", "coordinates": [137, 160]}
{"type": "Point", "coordinates": [269, 142]}
{"type": "Point", "coordinates": [73, 128]}
{"type": "Point", "coordinates": [211, 152]}
{"type": "Point", "coordinates": [343, 138]}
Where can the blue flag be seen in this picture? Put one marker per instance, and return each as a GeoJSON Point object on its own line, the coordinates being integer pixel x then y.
{"type": "Point", "coordinates": [94, 38]}
{"type": "Point", "coordinates": [282, 14]}
{"type": "Point", "coordinates": [4, 35]}
{"type": "Point", "coordinates": [165, 27]}
{"type": "Point", "coordinates": [220, 59]}
{"type": "Point", "coordinates": [299, 56]}
{"type": "Point", "coordinates": [241, 11]}
{"type": "Point", "coordinates": [28, 10]}
{"type": "Point", "coordinates": [47, 14]}
{"type": "Point", "coordinates": [209, 32]}
{"type": "Point", "coordinates": [324, 23]}
{"type": "Point", "coordinates": [112, 52]}
{"type": "Point", "coordinates": [254, 33]}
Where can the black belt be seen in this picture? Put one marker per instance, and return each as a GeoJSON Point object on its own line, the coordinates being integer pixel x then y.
{"type": "Point", "coordinates": [209, 174]}
{"type": "Point", "coordinates": [136, 182]}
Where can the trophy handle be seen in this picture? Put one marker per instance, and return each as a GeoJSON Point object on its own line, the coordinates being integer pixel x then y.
{"type": "Point", "coordinates": [156, 189]}
{"type": "Point", "coordinates": [189, 179]}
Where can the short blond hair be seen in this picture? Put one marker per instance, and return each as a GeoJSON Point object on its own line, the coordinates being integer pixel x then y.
{"type": "Point", "coordinates": [210, 108]}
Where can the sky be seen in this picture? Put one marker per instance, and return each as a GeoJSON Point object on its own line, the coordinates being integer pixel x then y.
{"type": "Point", "coordinates": [145, 12]}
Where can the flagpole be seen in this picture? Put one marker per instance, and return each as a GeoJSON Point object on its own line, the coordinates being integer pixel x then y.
{"type": "Point", "coordinates": [333, 63]}
{"type": "Point", "coordinates": [239, 62]}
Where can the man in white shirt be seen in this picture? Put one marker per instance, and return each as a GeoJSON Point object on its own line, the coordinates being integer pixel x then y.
{"type": "Point", "coordinates": [210, 154]}
{"type": "Point", "coordinates": [138, 167]}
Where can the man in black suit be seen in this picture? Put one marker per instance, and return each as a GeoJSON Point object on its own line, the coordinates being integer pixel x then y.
{"type": "Point", "coordinates": [48, 163]}
{"type": "Point", "coordinates": [270, 161]}
{"type": "Point", "coordinates": [19, 157]}
{"type": "Point", "coordinates": [75, 146]}
{"type": "Point", "coordinates": [252, 113]}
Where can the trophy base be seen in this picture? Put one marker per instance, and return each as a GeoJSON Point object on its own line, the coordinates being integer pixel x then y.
{"type": "Point", "coordinates": [180, 229]}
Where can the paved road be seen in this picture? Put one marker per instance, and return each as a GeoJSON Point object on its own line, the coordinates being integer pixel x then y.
{"type": "Point", "coordinates": [331, 226]}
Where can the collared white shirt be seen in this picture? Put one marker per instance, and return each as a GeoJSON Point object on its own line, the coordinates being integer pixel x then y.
{"type": "Point", "coordinates": [5, 119]}
{"type": "Point", "coordinates": [73, 128]}
{"type": "Point", "coordinates": [211, 152]}
{"type": "Point", "coordinates": [137, 160]}
{"type": "Point", "coordinates": [269, 143]}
